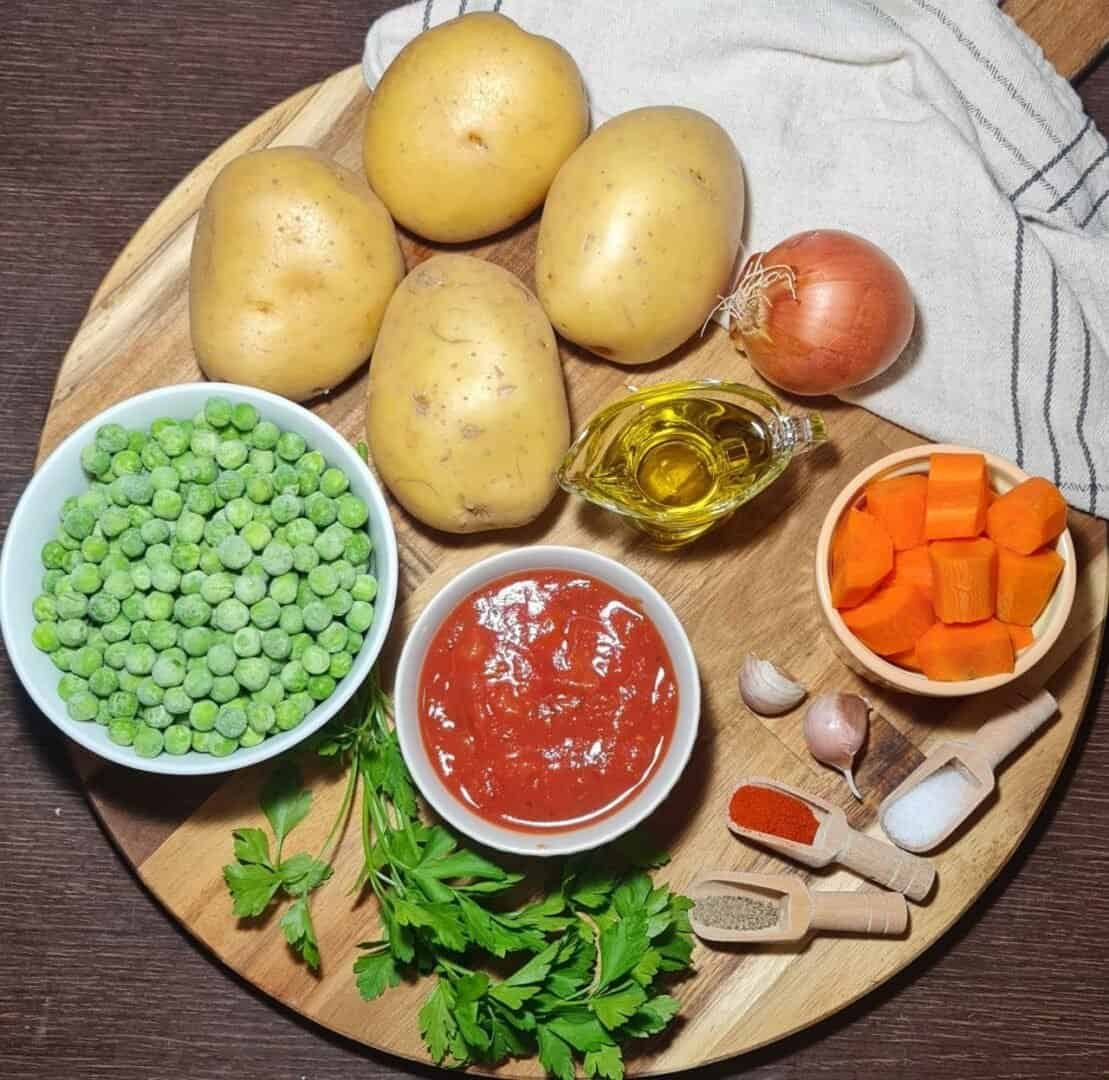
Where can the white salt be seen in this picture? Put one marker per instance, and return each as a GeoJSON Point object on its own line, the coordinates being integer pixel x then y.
{"type": "Point", "coordinates": [924, 813]}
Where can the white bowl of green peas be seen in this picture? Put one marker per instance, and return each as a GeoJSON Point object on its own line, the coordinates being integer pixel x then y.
{"type": "Point", "coordinates": [197, 579]}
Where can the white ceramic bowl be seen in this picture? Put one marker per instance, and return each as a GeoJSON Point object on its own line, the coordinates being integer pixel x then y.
{"type": "Point", "coordinates": [406, 700]}
{"type": "Point", "coordinates": [1004, 475]}
{"type": "Point", "coordinates": [35, 521]}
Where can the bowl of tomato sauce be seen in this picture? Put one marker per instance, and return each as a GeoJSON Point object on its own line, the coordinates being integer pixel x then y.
{"type": "Point", "coordinates": [547, 700]}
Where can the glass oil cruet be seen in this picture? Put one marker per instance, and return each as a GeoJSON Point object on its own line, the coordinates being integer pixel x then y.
{"type": "Point", "coordinates": [678, 458]}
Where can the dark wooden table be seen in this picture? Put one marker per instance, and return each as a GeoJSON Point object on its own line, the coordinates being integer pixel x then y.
{"type": "Point", "coordinates": [105, 106]}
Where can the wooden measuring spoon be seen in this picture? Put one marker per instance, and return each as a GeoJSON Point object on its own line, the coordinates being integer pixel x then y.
{"type": "Point", "coordinates": [974, 760]}
{"type": "Point", "coordinates": [802, 911]}
{"type": "Point", "coordinates": [836, 841]}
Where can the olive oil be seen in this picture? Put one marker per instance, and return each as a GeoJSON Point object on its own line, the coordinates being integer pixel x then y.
{"type": "Point", "coordinates": [678, 458]}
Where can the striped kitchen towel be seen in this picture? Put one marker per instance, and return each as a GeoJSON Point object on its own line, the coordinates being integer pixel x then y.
{"type": "Point", "coordinates": [936, 130]}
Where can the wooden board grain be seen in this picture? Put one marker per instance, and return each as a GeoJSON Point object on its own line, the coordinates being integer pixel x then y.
{"type": "Point", "coordinates": [745, 588]}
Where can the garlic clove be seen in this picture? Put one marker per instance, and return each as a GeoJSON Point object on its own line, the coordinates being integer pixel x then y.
{"type": "Point", "coordinates": [835, 729]}
{"type": "Point", "coordinates": [765, 690]}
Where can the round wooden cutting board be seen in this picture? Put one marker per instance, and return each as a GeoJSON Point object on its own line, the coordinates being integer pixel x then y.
{"type": "Point", "coordinates": [745, 588]}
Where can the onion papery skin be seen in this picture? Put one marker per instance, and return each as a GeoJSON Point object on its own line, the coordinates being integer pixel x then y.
{"type": "Point", "coordinates": [846, 315]}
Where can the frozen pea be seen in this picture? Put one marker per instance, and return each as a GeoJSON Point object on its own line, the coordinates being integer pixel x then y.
{"type": "Point", "coordinates": [288, 714]}
{"type": "Point", "coordinates": [294, 677]}
{"type": "Point", "coordinates": [200, 500]}
{"type": "Point", "coordinates": [250, 738]}
{"type": "Point", "coordinates": [224, 689]}
{"type": "Point", "coordinates": [259, 489]}
{"type": "Point", "coordinates": [300, 531]}
{"type": "Point", "coordinates": [78, 523]}
{"type": "Point", "coordinates": [114, 522]}
{"type": "Point", "coordinates": [221, 746]}
{"type": "Point", "coordinates": [244, 416]}
{"type": "Point", "coordinates": [263, 462]}
{"type": "Point", "coordinates": [167, 504]}
{"type": "Point", "coordinates": [322, 580]}
{"type": "Point", "coordinates": [94, 460]}
{"type": "Point", "coordinates": [247, 642]}
{"type": "Point", "coordinates": [320, 687]}
{"type": "Point", "coordinates": [265, 435]}
{"type": "Point", "coordinates": [69, 684]}
{"type": "Point", "coordinates": [277, 558]}
{"type": "Point", "coordinates": [94, 548]}
{"type": "Point", "coordinates": [117, 630]}
{"type": "Point", "coordinates": [249, 588]}
{"type": "Point", "coordinates": [177, 702]}
{"type": "Point", "coordinates": [205, 471]}
{"type": "Point", "coordinates": [332, 639]}
{"type": "Point", "coordinates": [316, 616]}
{"type": "Point", "coordinates": [190, 528]}
{"type": "Point", "coordinates": [271, 693]}
{"type": "Point", "coordinates": [256, 535]}
{"type": "Point", "coordinates": [62, 659]}
{"type": "Point", "coordinates": [290, 446]}
{"type": "Point", "coordinates": [185, 557]}
{"type": "Point", "coordinates": [298, 643]}
{"type": "Point", "coordinates": [103, 682]}
{"type": "Point", "coordinates": [292, 620]}
{"type": "Point", "coordinates": [86, 660]}
{"type": "Point", "coordinates": [53, 555]}
{"type": "Point", "coordinates": [209, 560]}
{"type": "Point", "coordinates": [231, 454]}
{"type": "Point", "coordinates": [115, 654]}
{"type": "Point", "coordinates": [140, 659]}
{"type": "Point", "coordinates": [123, 704]}
{"type": "Point", "coordinates": [72, 560]}
{"type": "Point", "coordinates": [86, 578]}
{"type": "Point", "coordinates": [126, 462]}
{"type": "Point", "coordinates": [51, 579]}
{"type": "Point", "coordinates": [360, 617]}
{"type": "Point", "coordinates": [172, 438]}
{"type": "Point", "coordinates": [252, 673]}
{"type": "Point", "coordinates": [329, 544]}
{"type": "Point", "coordinates": [148, 742]}
{"type": "Point", "coordinates": [364, 588]}
{"type": "Point", "coordinates": [202, 716]}
{"type": "Point", "coordinates": [149, 693]}
{"type": "Point", "coordinates": [95, 499]}
{"type": "Point", "coordinates": [44, 607]}
{"type": "Point", "coordinates": [154, 531]}
{"type": "Point", "coordinates": [217, 411]}
{"type": "Point", "coordinates": [153, 456]}
{"type": "Point", "coordinates": [103, 608]}
{"type": "Point", "coordinates": [339, 603]}
{"type": "Point", "coordinates": [320, 510]}
{"type": "Point", "coordinates": [82, 706]}
{"type": "Point", "coordinates": [45, 637]}
{"type": "Point", "coordinates": [200, 741]}
{"type": "Point", "coordinates": [333, 482]}
{"type": "Point", "coordinates": [230, 485]}
{"type": "Point", "coordinates": [260, 717]}
{"type": "Point", "coordinates": [162, 635]}
{"type": "Point", "coordinates": [305, 558]}
{"type": "Point", "coordinates": [307, 482]}
{"type": "Point", "coordinates": [230, 615]}
{"type": "Point", "coordinates": [315, 660]}
{"type": "Point", "coordinates": [136, 440]}
{"type": "Point", "coordinates": [286, 508]}
{"type": "Point", "coordinates": [198, 683]}
{"type": "Point", "coordinates": [158, 605]}
{"type": "Point", "coordinates": [140, 629]}
{"type": "Point", "coordinates": [231, 721]}
{"type": "Point", "coordinates": [313, 461]}
{"type": "Point", "coordinates": [218, 587]}
{"type": "Point", "coordinates": [191, 611]}
{"type": "Point", "coordinates": [177, 739]}
{"type": "Point", "coordinates": [157, 716]}
{"type": "Point", "coordinates": [203, 443]}
{"type": "Point", "coordinates": [191, 582]}
{"type": "Point", "coordinates": [358, 548]}
{"type": "Point", "coordinates": [265, 613]}
{"type": "Point", "coordinates": [239, 512]}
{"type": "Point", "coordinates": [285, 479]}
{"type": "Point", "coordinates": [344, 572]}
{"type": "Point", "coordinates": [103, 714]}
{"type": "Point", "coordinates": [196, 640]}
{"type": "Point", "coordinates": [221, 659]}
{"type": "Point", "coordinates": [71, 605]}
{"type": "Point", "coordinates": [283, 588]}
{"type": "Point", "coordinates": [139, 516]}
{"type": "Point", "coordinates": [234, 552]}
{"type": "Point", "coordinates": [122, 730]}
{"type": "Point", "coordinates": [164, 478]}
{"type": "Point", "coordinates": [131, 543]}
{"type": "Point", "coordinates": [129, 682]}
{"type": "Point", "coordinates": [137, 488]}
{"type": "Point", "coordinates": [341, 663]}
{"type": "Point", "coordinates": [351, 511]}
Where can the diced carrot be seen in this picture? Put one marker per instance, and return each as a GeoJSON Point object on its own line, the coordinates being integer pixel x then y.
{"type": "Point", "coordinates": [862, 555]}
{"type": "Point", "coordinates": [898, 503]}
{"type": "Point", "coordinates": [965, 579]}
{"type": "Point", "coordinates": [1025, 584]}
{"type": "Point", "coordinates": [913, 567]}
{"type": "Point", "coordinates": [1021, 636]}
{"type": "Point", "coordinates": [958, 493]}
{"type": "Point", "coordinates": [891, 620]}
{"type": "Point", "coordinates": [949, 653]}
{"type": "Point", "coordinates": [1032, 514]}
{"type": "Point", "coordinates": [907, 659]}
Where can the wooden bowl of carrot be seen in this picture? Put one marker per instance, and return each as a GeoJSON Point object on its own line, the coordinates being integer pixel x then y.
{"type": "Point", "coordinates": [945, 571]}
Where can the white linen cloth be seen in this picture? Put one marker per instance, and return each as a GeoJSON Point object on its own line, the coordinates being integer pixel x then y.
{"type": "Point", "coordinates": [939, 132]}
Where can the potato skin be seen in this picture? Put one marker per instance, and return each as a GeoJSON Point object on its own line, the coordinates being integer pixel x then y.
{"type": "Point", "coordinates": [293, 262]}
{"type": "Point", "coordinates": [466, 413]}
{"type": "Point", "coordinates": [469, 124]}
{"type": "Point", "coordinates": [640, 233]}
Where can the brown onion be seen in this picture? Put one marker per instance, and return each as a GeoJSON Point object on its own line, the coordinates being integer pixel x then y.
{"type": "Point", "coordinates": [821, 311]}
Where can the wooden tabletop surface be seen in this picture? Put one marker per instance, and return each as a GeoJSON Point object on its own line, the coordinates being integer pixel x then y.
{"type": "Point", "coordinates": [105, 106]}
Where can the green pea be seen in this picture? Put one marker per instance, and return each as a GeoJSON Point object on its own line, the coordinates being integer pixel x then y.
{"type": "Point", "coordinates": [316, 616]}
{"type": "Point", "coordinates": [95, 461]}
{"type": "Point", "coordinates": [298, 643]}
{"type": "Point", "coordinates": [200, 741]}
{"type": "Point", "coordinates": [202, 716]}
{"type": "Point", "coordinates": [148, 742]}
{"type": "Point", "coordinates": [126, 462]}
{"type": "Point", "coordinates": [231, 721]}
{"type": "Point", "coordinates": [137, 488]}
{"type": "Point", "coordinates": [115, 654]}
{"type": "Point", "coordinates": [123, 704]}
{"type": "Point", "coordinates": [252, 673]}
{"type": "Point", "coordinates": [322, 580]}
{"type": "Point", "coordinates": [209, 560]}
{"type": "Point", "coordinates": [320, 510]}
{"type": "Point", "coordinates": [177, 739]}
{"type": "Point", "coordinates": [172, 438]}
{"type": "Point", "coordinates": [305, 558]}
{"type": "Point", "coordinates": [53, 555]}
{"type": "Point", "coordinates": [352, 511]}
{"type": "Point", "coordinates": [308, 483]}
{"type": "Point", "coordinates": [284, 478]}
{"type": "Point", "coordinates": [360, 617]}
{"type": "Point", "coordinates": [221, 746]}
{"type": "Point", "coordinates": [260, 717]}
{"type": "Point", "coordinates": [129, 682]}
{"type": "Point", "coordinates": [231, 454]}
{"type": "Point", "coordinates": [157, 717]}
{"type": "Point", "coordinates": [136, 440]}
{"type": "Point", "coordinates": [249, 589]}
{"type": "Point", "coordinates": [332, 639]}
{"type": "Point", "coordinates": [131, 543]}
{"type": "Point", "coordinates": [192, 581]}
{"type": "Point", "coordinates": [94, 548]}
{"type": "Point", "coordinates": [82, 706]}
{"type": "Point", "coordinates": [149, 693]}
{"type": "Point", "coordinates": [341, 663]}
{"type": "Point", "coordinates": [230, 615]}
{"type": "Point", "coordinates": [203, 443]}
{"type": "Point", "coordinates": [259, 489]}
{"type": "Point", "coordinates": [217, 411]}
{"type": "Point", "coordinates": [265, 613]}
{"type": "Point", "coordinates": [111, 438]}
{"type": "Point", "coordinates": [185, 557]}
{"type": "Point", "coordinates": [162, 635]}
{"type": "Point", "coordinates": [158, 605]}
{"type": "Point", "coordinates": [72, 560]}
{"type": "Point", "coordinates": [177, 702]}
{"type": "Point", "coordinates": [167, 504]}
{"type": "Point", "coordinates": [190, 528]}
{"type": "Point", "coordinates": [330, 543]}
{"type": "Point", "coordinates": [290, 446]}
{"type": "Point", "coordinates": [191, 611]}
{"type": "Point", "coordinates": [321, 687]}
{"type": "Point", "coordinates": [115, 521]}
{"type": "Point", "coordinates": [345, 574]}
{"type": "Point", "coordinates": [294, 677]}
{"type": "Point", "coordinates": [239, 512]}
{"type": "Point", "coordinates": [69, 684]}
{"type": "Point", "coordinates": [140, 629]}
{"type": "Point", "coordinates": [103, 608]}
{"type": "Point", "coordinates": [122, 730]}
{"type": "Point", "coordinates": [86, 578]}
{"type": "Point", "coordinates": [200, 500]}
{"type": "Point", "coordinates": [272, 692]}
{"type": "Point", "coordinates": [230, 485]}
{"type": "Point", "coordinates": [286, 508]}
{"type": "Point", "coordinates": [103, 714]}
{"type": "Point", "coordinates": [62, 659]}
{"type": "Point", "coordinates": [358, 548]}
{"type": "Point", "coordinates": [234, 552]}
{"type": "Point", "coordinates": [198, 683]}
{"type": "Point", "coordinates": [140, 659]}
{"type": "Point", "coordinates": [288, 714]}
{"type": "Point", "coordinates": [300, 531]}
{"type": "Point", "coordinates": [221, 659]}
{"type": "Point", "coordinates": [315, 660]}
{"type": "Point", "coordinates": [283, 588]}
{"type": "Point", "coordinates": [70, 606]}
{"type": "Point", "coordinates": [154, 531]}
{"type": "Point", "coordinates": [224, 689]}
{"type": "Point", "coordinates": [51, 580]}
{"type": "Point", "coordinates": [86, 660]}
{"type": "Point", "coordinates": [103, 682]}
{"type": "Point", "coordinates": [333, 482]}
{"type": "Point", "coordinates": [265, 435]}
{"type": "Point", "coordinates": [247, 642]}
{"type": "Point", "coordinates": [244, 416]}
{"type": "Point", "coordinates": [45, 637]}
{"type": "Point", "coordinates": [364, 588]}
{"type": "Point", "coordinates": [217, 587]}
{"type": "Point", "coordinates": [138, 516]}
{"type": "Point", "coordinates": [256, 535]}
{"type": "Point", "coordinates": [153, 456]}
{"type": "Point", "coordinates": [44, 608]}
{"type": "Point", "coordinates": [292, 620]}
{"type": "Point", "coordinates": [164, 478]}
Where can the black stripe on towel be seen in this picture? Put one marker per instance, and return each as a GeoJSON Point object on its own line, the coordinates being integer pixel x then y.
{"type": "Point", "coordinates": [1051, 356]}
{"type": "Point", "coordinates": [1054, 161]}
{"type": "Point", "coordinates": [1084, 401]}
{"type": "Point", "coordinates": [1014, 371]}
{"type": "Point", "coordinates": [1094, 209]}
{"type": "Point", "coordinates": [1078, 183]}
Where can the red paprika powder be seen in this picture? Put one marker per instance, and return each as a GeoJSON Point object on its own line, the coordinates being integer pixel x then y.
{"type": "Point", "coordinates": [768, 810]}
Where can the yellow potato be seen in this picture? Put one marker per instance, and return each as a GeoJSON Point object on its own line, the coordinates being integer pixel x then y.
{"type": "Point", "coordinates": [293, 262]}
{"type": "Point", "coordinates": [466, 413]}
{"type": "Point", "coordinates": [640, 233]}
{"type": "Point", "coordinates": [469, 124]}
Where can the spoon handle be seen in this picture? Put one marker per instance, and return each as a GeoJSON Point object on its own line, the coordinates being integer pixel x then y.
{"type": "Point", "coordinates": [996, 739]}
{"type": "Point", "coordinates": [860, 913]}
{"type": "Point", "coordinates": [889, 866]}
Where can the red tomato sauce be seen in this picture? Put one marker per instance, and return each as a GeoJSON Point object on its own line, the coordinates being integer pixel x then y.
{"type": "Point", "coordinates": [547, 699]}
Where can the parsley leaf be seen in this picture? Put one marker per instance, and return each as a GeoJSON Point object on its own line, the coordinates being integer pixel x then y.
{"type": "Point", "coordinates": [301, 934]}
{"type": "Point", "coordinates": [374, 973]}
{"type": "Point", "coordinates": [437, 1025]}
{"type": "Point", "coordinates": [621, 946]}
{"type": "Point", "coordinates": [252, 846]}
{"type": "Point", "coordinates": [606, 1062]}
{"type": "Point", "coordinates": [252, 888]}
{"type": "Point", "coordinates": [285, 801]}
{"type": "Point", "coordinates": [613, 1009]}
{"type": "Point", "coordinates": [555, 1055]}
